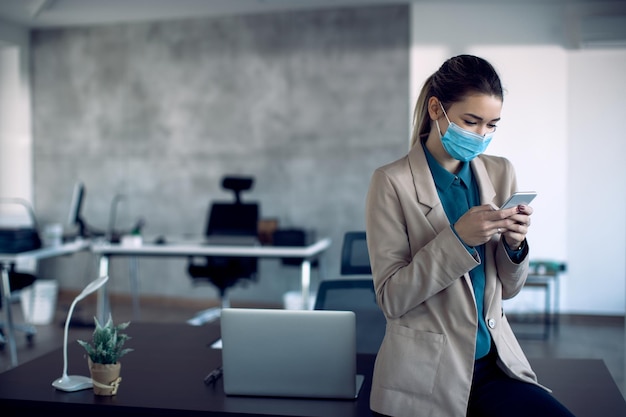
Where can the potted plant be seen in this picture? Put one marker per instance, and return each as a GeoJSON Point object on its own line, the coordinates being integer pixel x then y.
{"type": "Point", "coordinates": [104, 352]}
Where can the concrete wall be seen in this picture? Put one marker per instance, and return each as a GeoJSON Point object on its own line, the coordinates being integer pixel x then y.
{"type": "Point", "coordinates": [309, 103]}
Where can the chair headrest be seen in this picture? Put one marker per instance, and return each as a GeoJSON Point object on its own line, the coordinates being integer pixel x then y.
{"type": "Point", "coordinates": [237, 184]}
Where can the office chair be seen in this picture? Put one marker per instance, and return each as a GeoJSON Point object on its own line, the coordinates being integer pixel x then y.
{"type": "Point", "coordinates": [20, 236]}
{"type": "Point", "coordinates": [355, 294]}
{"type": "Point", "coordinates": [355, 259]}
{"type": "Point", "coordinates": [230, 223]}
{"type": "Point", "coordinates": [17, 281]}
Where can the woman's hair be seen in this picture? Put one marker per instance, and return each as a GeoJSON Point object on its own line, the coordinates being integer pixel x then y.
{"type": "Point", "coordinates": [457, 78]}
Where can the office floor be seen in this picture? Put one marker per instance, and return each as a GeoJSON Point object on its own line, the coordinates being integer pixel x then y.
{"type": "Point", "coordinates": [577, 336]}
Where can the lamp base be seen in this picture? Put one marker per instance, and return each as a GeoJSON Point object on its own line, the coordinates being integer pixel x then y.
{"type": "Point", "coordinates": [72, 383]}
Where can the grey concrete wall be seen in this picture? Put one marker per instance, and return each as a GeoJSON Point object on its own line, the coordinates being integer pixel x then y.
{"type": "Point", "coordinates": [309, 103]}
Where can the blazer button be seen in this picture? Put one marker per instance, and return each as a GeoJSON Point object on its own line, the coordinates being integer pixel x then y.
{"type": "Point", "coordinates": [491, 323]}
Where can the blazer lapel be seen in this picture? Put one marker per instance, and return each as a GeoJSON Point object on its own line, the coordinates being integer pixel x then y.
{"type": "Point", "coordinates": [425, 189]}
{"type": "Point", "coordinates": [487, 194]}
{"type": "Point", "coordinates": [428, 197]}
{"type": "Point", "coordinates": [485, 186]}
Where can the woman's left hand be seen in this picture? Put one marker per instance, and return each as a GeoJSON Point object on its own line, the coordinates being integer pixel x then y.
{"type": "Point", "coordinates": [516, 232]}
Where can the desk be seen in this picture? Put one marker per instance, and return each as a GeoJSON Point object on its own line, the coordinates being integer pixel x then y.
{"type": "Point", "coordinates": [163, 376]}
{"type": "Point", "coordinates": [585, 386]}
{"type": "Point", "coordinates": [545, 275]}
{"type": "Point", "coordinates": [8, 259]}
{"type": "Point", "coordinates": [307, 253]}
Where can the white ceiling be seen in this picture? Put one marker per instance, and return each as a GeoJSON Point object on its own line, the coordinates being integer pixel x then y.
{"type": "Point", "coordinates": [57, 13]}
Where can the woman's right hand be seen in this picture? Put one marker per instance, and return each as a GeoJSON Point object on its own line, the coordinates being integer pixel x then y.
{"type": "Point", "coordinates": [480, 223]}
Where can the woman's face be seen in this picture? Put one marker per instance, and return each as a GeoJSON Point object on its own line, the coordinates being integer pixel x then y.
{"type": "Point", "coordinates": [477, 113]}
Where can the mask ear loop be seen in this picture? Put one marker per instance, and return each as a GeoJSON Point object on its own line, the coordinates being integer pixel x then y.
{"type": "Point", "coordinates": [438, 129]}
{"type": "Point", "coordinates": [437, 121]}
{"type": "Point", "coordinates": [444, 112]}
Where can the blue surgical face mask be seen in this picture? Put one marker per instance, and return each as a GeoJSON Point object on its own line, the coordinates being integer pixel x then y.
{"type": "Point", "coordinates": [462, 144]}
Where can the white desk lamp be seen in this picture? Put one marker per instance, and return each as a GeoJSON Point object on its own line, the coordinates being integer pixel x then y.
{"type": "Point", "coordinates": [76, 382]}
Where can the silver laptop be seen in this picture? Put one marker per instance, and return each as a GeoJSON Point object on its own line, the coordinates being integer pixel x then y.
{"type": "Point", "coordinates": [289, 353]}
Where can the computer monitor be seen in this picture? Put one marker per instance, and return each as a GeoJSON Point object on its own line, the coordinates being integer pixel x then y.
{"type": "Point", "coordinates": [232, 219]}
{"type": "Point", "coordinates": [75, 216]}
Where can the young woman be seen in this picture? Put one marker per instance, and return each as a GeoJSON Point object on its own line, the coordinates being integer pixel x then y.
{"type": "Point", "coordinates": [444, 256]}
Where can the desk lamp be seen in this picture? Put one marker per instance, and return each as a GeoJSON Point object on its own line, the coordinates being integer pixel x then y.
{"type": "Point", "coordinates": [76, 382]}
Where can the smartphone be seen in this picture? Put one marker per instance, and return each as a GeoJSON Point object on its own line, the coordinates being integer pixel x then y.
{"type": "Point", "coordinates": [520, 197]}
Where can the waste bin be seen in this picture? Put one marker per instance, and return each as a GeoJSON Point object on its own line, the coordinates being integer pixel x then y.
{"type": "Point", "coordinates": [39, 301]}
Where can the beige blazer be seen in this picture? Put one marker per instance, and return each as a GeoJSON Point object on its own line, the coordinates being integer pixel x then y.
{"type": "Point", "coordinates": [425, 363]}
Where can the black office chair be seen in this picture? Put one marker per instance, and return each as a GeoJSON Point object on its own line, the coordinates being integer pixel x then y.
{"type": "Point", "coordinates": [355, 294]}
{"type": "Point", "coordinates": [355, 259]}
{"type": "Point", "coordinates": [17, 239]}
{"type": "Point", "coordinates": [228, 222]}
{"type": "Point", "coordinates": [18, 281]}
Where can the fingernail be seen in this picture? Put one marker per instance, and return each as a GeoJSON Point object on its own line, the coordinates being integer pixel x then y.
{"type": "Point", "coordinates": [521, 208]}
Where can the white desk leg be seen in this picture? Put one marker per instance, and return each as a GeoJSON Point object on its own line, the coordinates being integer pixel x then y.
{"type": "Point", "coordinates": [557, 303]}
{"type": "Point", "coordinates": [133, 271]}
{"type": "Point", "coordinates": [306, 283]}
{"type": "Point", "coordinates": [102, 307]}
{"type": "Point", "coordinates": [6, 304]}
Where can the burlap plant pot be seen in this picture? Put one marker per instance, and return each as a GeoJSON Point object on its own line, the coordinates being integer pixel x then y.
{"type": "Point", "coordinates": [106, 378]}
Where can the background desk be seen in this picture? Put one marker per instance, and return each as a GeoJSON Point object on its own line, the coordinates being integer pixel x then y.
{"type": "Point", "coordinates": [8, 259]}
{"type": "Point", "coordinates": [307, 253]}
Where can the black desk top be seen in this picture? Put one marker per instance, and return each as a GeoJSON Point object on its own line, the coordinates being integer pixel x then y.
{"type": "Point", "coordinates": [585, 386]}
{"type": "Point", "coordinates": [164, 377]}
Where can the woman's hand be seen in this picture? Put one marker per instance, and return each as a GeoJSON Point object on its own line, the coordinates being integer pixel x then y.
{"type": "Point", "coordinates": [480, 223]}
{"type": "Point", "coordinates": [516, 233]}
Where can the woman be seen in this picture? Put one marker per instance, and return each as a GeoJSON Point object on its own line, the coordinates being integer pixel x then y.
{"type": "Point", "coordinates": [443, 258]}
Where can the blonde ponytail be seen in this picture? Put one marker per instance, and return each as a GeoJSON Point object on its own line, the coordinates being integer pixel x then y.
{"type": "Point", "coordinates": [421, 118]}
